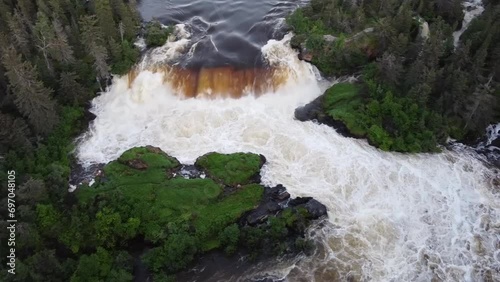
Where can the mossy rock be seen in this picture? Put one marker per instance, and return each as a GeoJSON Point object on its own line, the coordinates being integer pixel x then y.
{"type": "Point", "coordinates": [182, 218]}
{"type": "Point", "coordinates": [232, 169]}
{"type": "Point", "coordinates": [156, 200]}
{"type": "Point", "coordinates": [342, 102]}
{"type": "Point", "coordinates": [148, 157]}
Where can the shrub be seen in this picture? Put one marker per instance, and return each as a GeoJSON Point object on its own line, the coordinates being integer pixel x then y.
{"type": "Point", "coordinates": [156, 34]}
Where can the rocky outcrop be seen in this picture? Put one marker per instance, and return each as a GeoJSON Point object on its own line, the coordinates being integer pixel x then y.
{"type": "Point", "coordinates": [314, 112]}
{"type": "Point", "coordinates": [360, 34]}
{"type": "Point", "coordinates": [83, 175]}
{"type": "Point", "coordinates": [489, 145]}
{"type": "Point", "coordinates": [313, 207]}
{"type": "Point", "coordinates": [275, 199]}
{"type": "Point", "coordinates": [228, 204]}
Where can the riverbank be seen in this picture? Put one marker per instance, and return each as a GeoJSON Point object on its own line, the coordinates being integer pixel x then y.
{"type": "Point", "coordinates": [413, 91]}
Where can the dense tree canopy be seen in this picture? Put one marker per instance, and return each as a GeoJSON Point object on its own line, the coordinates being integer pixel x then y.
{"type": "Point", "coordinates": [54, 55]}
{"type": "Point", "coordinates": [405, 51]}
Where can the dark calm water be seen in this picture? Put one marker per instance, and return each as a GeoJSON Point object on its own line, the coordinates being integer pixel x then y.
{"type": "Point", "coordinates": [228, 32]}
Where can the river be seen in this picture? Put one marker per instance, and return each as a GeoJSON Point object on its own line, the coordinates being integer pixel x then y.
{"type": "Point", "coordinates": [392, 216]}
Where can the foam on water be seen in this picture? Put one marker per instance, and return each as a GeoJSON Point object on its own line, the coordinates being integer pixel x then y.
{"type": "Point", "coordinates": [177, 43]}
{"type": "Point", "coordinates": [392, 217]}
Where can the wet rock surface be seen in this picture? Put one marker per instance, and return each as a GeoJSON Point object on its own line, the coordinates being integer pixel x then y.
{"type": "Point", "coordinates": [81, 175]}
{"type": "Point", "coordinates": [189, 172]}
{"type": "Point", "coordinates": [314, 112]}
{"type": "Point", "coordinates": [276, 199]}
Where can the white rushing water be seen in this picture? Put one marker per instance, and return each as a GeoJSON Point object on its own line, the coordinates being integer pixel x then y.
{"type": "Point", "coordinates": [472, 9]}
{"type": "Point", "coordinates": [392, 217]}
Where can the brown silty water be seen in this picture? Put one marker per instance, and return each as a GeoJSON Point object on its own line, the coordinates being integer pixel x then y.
{"type": "Point", "coordinates": [213, 82]}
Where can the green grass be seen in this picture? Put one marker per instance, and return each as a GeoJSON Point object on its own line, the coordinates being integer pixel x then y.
{"type": "Point", "coordinates": [157, 201]}
{"type": "Point", "coordinates": [389, 122]}
{"type": "Point", "coordinates": [342, 102]}
{"type": "Point", "coordinates": [180, 218]}
{"type": "Point", "coordinates": [152, 156]}
{"type": "Point", "coordinates": [212, 219]}
{"type": "Point", "coordinates": [231, 169]}
{"type": "Point", "coordinates": [151, 196]}
{"type": "Point", "coordinates": [147, 202]}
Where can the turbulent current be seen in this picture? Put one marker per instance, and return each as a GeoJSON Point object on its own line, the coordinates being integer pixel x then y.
{"type": "Point", "coordinates": [392, 217]}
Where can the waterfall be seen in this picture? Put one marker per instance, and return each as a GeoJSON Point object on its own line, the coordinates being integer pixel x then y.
{"type": "Point", "coordinates": [392, 216]}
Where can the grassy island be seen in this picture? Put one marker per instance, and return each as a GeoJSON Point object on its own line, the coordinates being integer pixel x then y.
{"type": "Point", "coordinates": [144, 206]}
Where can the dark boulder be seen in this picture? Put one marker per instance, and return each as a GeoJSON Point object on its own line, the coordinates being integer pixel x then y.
{"type": "Point", "coordinates": [278, 193]}
{"type": "Point", "coordinates": [309, 111]}
{"type": "Point", "coordinates": [305, 55]}
{"type": "Point", "coordinates": [282, 196]}
{"type": "Point", "coordinates": [315, 209]}
{"type": "Point", "coordinates": [84, 174]}
{"type": "Point", "coordinates": [258, 216]}
{"type": "Point", "coordinates": [263, 160]}
{"type": "Point", "coordinates": [495, 143]}
{"type": "Point", "coordinates": [314, 112]}
{"type": "Point", "coordinates": [156, 150]}
{"type": "Point", "coordinates": [299, 201]}
{"type": "Point", "coordinates": [273, 207]}
{"type": "Point", "coordinates": [188, 172]}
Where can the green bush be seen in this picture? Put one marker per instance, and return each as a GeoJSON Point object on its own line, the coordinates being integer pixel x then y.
{"type": "Point", "coordinates": [156, 35]}
{"type": "Point", "coordinates": [315, 42]}
{"type": "Point", "coordinates": [229, 238]}
{"type": "Point", "coordinates": [388, 122]}
{"type": "Point", "coordinates": [175, 254]}
{"type": "Point", "coordinates": [128, 56]}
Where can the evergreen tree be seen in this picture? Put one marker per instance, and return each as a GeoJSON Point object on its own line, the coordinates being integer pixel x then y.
{"type": "Point", "coordinates": [105, 19]}
{"type": "Point", "coordinates": [93, 40]}
{"type": "Point", "coordinates": [20, 34]}
{"type": "Point", "coordinates": [70, 91]}
{"type": "Point", "coordinates": [32, 98]}
{"type": "Point", "coordinates": [28, 10]}
{"type": "Point", "coordinates": [390, 70]}
{"type": "Point", "coordinates": [482, 106]}
{"type": "Point", "coordinates": [61, 51]}
{"type": "Point", "coordinates": [14, 134]}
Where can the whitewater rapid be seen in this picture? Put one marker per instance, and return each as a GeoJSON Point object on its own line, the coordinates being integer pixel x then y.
{"type": "Point", "coordinates": [472, 9]}
{"type": "Point", "coordinates": [392, 217]}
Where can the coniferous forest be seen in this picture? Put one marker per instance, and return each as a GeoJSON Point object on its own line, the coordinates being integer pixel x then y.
{"type": "Point", "coordinates": [55, 56]}
{"type": "Point", "coordinates": [415, 89]}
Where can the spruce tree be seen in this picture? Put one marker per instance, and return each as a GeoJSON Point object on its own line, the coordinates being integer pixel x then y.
{"type": "Point", "coordinates": [93, 39]}
{"type": "Point", "coordinates": [32, 98]}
